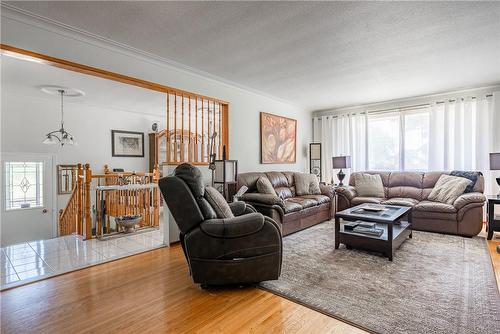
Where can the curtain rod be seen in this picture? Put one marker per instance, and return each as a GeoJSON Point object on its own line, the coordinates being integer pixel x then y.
{"type": "Point", "coordinates": [388, 110]}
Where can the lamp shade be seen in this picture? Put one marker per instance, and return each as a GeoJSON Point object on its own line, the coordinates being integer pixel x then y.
{"type": "Point", "coordinates": [495, 161]}
{"type": "Point", "coordinates": [225, 171]}
{"type": "Point", "coordinates": [341, 162]}
{"type": "Point", "coordinates": [315, 149]}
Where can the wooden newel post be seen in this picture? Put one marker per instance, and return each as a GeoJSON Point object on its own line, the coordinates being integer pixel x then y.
{"type": "Point", "coordinates": [88, 215]}
{"type": "Point", "coordinates": [156, 196]}
{"type": "Point", "coordinates": [62, 230]}
{"type": "Point", "coordinates": [79, 200]}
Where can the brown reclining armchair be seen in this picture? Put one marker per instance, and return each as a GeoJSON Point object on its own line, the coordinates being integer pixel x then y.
{"type": "Point", "coordinates": [239, 250]}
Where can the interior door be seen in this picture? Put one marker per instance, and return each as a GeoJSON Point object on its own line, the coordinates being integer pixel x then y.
{"type": "Point", "coordinates": [27, 198]}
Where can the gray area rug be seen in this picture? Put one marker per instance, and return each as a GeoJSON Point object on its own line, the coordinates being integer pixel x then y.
{"type": "Point", "coordinates": [436, 283]}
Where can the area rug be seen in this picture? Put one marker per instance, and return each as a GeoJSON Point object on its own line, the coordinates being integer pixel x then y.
{"type": "Point", "coordinates": [436, 283]}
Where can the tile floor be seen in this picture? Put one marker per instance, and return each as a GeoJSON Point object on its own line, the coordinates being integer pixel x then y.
{"type": "Point", "coordinates": [32, 261]}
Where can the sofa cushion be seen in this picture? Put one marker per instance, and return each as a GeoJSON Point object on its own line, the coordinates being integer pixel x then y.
{"type": "Point", "coordinates": [405, 179]}
{"type": "Point", "coordinates": [368, 185]}
{"type": "Point", "coordinates": [360, 200]}
{"type": "Point", "coordinates": [304, 202]}
{"type": "Point", "coordinates": [277, 179]}
{"type": "Point", "coordinates": [405, 192]}
{"type": "Point", "coordinates": [291, 206]}
{"type": "Point", "coordinates": [218, 203]}
{"type": "Point", "coordinates": [448, 188]}
{"type": "Point", "coordinates": [283, 192]}
{"type": "Point", "coordinates": [401, 201]}
{"type": "Point", "coordinates": [320, 199]}
{"type": "Point", "coordinates": [264, 186]}
{"type": "Point", "coordinates": [306, 184]}
{"type": "Point", "coordinates": [434, 210]}
{"type": "Point", "coordinates": [430, 206]}
{"type": "Point", "coordinates": [383, 175]}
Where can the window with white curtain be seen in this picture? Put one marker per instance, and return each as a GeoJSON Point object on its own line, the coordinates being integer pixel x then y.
{"type": "Point", "coordinates": [416, 140]}
{"type": "Point", "coordinates": [383, 141]}
{"type": "Point", "coordinates": [453, 133]}
{"type": "Point", "coordinates": [399, 140]}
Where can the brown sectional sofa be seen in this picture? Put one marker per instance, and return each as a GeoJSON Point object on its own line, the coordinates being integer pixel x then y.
{"type": "Point", "coordinates": [293, 212]}
{"type": "Point", "coordinates": [464, 217]}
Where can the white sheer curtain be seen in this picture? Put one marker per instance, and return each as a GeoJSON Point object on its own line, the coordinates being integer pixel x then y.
{"type": "Point", "coordinates": [461, 135]}
{"type": "Point", "coordinates": [341, 135]}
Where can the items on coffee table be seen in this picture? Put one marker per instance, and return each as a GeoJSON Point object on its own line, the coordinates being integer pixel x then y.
{"type": "Point", "coordinates": [362, 227]}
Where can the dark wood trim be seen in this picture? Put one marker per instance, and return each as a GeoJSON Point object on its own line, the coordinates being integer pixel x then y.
{"type": "Point", "coordinates": [80, 68]}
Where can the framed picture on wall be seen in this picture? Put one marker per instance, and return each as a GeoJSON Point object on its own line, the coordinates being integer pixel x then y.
{"type": "Point", "coordinates": [278, 139]}
{"type": "Point", "coordinates": [127, 143]}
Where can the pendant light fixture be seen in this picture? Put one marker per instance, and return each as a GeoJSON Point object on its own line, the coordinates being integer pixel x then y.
{"type": "Point", "coordinates": [60, 136]}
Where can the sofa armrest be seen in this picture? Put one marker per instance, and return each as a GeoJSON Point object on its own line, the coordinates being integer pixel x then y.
{"type": "Point", "coordinates": [348, 192]}
{"type": "Point", "coordinates": [327, 190]}
{"type": "Point", "coordinates": [268, 199]}
{"type": "Point", "coordinates": [233, 227]}
{"type": "Point", "coordinates": [469, 198]}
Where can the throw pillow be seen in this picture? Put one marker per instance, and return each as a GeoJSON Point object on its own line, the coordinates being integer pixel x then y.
{"type": "Point", "coordinates": [369, 185]}
{"type": "Point", "coordinates": [473, 176]}
{"type": "Point", "coordinates": [448, 188]}
{"type": "Point", "coordinates": [218, 203]}
{"type": "Point", "coordinates": [306, 184]}
{"type": "Point", "coordinates": [264, 186]}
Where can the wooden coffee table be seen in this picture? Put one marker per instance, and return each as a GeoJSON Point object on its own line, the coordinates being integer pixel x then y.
{"type": "Point", "coordinates": [391, 220]}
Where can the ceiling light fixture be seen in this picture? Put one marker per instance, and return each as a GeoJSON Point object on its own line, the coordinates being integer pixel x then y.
{"type": "Point", "coordinates": [60, 136]}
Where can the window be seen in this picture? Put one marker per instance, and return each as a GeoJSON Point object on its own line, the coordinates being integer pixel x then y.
{"type": "Point", "coordinates": [383, 142]}
{"type": "Point", "coordinates": [399, 140]}
{"type": "Point", "coordinates": [23, 185]}
{"type": "Point", "coordinates": [416, 141]}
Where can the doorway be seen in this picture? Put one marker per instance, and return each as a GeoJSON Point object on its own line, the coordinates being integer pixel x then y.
{"type": "Point", "coordinates": [28, 203]}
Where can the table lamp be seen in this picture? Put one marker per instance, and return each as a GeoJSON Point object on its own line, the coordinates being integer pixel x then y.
{"type": "Point", "coordinates": [339, 163]}
{"type": "Point", "coordinates": [495, 165]}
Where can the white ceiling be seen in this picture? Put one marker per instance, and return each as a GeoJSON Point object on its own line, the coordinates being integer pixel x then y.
{"type": "Point", "coordinates": [315, 54]}
{"type": "Point", "coordinates": [24, 78]}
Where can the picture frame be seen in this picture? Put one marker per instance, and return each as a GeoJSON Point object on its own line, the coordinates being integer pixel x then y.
{"type": "Point", "coordinates": [127, 144]}
{"type": "Point", "coordinates": [278, 139]}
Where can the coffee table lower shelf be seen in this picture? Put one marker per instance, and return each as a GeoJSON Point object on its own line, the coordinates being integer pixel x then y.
{"type": "Point", "coordinates": [381, 244]}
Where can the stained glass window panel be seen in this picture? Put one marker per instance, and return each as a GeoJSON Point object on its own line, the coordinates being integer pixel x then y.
{"type": "Point", "coordinates": [23, 185]}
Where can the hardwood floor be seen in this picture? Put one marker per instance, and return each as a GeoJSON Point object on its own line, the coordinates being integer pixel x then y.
{"type": "Point", "coordinates": [152, 292]}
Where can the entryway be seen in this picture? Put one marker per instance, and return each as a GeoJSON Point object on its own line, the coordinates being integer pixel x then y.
{"type": "Point", "coordinates": [28, 198]}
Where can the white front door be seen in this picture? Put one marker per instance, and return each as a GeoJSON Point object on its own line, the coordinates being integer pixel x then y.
{"type": "Point", "coordinates": [27, 198]}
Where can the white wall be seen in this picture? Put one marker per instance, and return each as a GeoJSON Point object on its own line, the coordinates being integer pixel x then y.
{"type": "Point", "coordinates": [244, 108]}
{"type": "Point", "coordinates": [24, 123]}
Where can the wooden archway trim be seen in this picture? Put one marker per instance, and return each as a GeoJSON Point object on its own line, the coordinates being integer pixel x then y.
{"type": "Point", "coordinates": [80, 68]}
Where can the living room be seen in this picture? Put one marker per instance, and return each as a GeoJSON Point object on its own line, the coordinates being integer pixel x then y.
{"type": "Point", "coordinates": [231, 156]}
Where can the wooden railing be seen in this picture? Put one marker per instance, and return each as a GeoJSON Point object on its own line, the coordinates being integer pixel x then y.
{"type": "Point", "coordinates": [191, 123]}
{"type": "Point", "coordinates": [76, 217]}
{"type": "Point", "coordinates": [144, 202]}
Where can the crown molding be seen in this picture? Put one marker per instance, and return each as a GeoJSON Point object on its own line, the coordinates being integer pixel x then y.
{"type": "Point", "coordinates": [17, 14]}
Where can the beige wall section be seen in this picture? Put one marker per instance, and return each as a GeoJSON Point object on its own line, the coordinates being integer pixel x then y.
{"type": "Point", "coordinates": [245, 106]}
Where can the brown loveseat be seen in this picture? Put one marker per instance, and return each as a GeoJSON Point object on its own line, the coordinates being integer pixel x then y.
{"type": "Point", "coordinates": [293, 212]}
{"type": "Point", "coordinates": [464, 217]}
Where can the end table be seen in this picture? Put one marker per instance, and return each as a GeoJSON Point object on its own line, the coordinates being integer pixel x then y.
{"type": "Point", "coordinates": [493, 221]}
